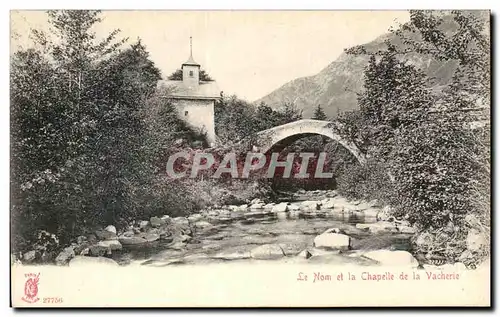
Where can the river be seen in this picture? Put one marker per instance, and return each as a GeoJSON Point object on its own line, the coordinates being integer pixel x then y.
{"type": "Point", "coordinates": [234, 238]}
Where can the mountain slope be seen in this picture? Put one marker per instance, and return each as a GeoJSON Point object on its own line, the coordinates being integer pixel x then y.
{"type": "Point", "coordinates": [335, 88]}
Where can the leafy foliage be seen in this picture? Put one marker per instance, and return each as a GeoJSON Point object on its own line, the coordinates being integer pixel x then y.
{"type": "Point", "coordinates": [425, 138]}
{"type": "Point", "coordinates": [177, 75]}
{"type": "Point", "coordinates": [319, 114]}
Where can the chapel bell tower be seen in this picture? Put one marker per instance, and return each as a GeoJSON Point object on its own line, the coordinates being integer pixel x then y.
{"type": "Point", "coordinates": [191, 69]}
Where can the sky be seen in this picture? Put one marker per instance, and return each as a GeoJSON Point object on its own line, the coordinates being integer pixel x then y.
{"type": "Point", "coordinates": [248, 53]}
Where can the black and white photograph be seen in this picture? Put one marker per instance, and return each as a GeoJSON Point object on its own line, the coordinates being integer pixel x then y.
{"type": "Point", "coordinates": [241, 158]}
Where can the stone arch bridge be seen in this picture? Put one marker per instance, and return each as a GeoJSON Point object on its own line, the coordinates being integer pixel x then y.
{"type": "Point", "coordinates": [288, 133]}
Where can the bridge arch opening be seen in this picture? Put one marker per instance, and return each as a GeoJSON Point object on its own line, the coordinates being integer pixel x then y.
{"type": "Point", "coordinates": [279, 137]}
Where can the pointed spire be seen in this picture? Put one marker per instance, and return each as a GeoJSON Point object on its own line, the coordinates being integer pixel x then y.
{"type": "Point", "coordinates": [191, 61]}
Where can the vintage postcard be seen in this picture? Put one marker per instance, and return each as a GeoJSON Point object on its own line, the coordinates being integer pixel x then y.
{"type": "Point", "coordinates": [250, 158]}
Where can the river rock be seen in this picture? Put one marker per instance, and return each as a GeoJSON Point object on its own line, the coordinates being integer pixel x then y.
{"type": "Point", "coordinates": [257, 206]}
{"type": "Point", "coordinates": [378, 227]}
{"type": "Point", "coordinates": [310, 252]}
{"type": "Point", "coordinates": [255, 213]}
{"type": "Point", "coordinates": [156, 222]}
{"type": "Point", "coordinates": [202, 225]}
{"type": "Point", "coordinates": [269, 206]}
{"type": "Point", "coordinates": [106, 235]}
{"type": "Point", "coordinates": [282, 215]}
{"type": "Point", "coordinates": [165, 218]}
{"type": "Point", "coordinates": [183, 238]}
{"type": "Point", "coordinates": [267, 252]}
{"type": "Point", "coordinates": [139, 238]}
{"type": "Point", "coordinates": [331, 193]}
{"type": "Point", "coordinates": [97, 250]}
{"type": "Point", "coordinates": [281, 207]}
{"type": "Point", "coordinates": [143, 224]}
{"type": "Point", "coordinates": [256, 201]}
{"type": "Point", "coordinates": [328, 204]}
{"type": "Point", "coordinates": [29, 256]}
{"type": "Point", "coordinates": [310, 205]}
{"type": "Point", "coordinates": [66, 254]}
{"type": "Point", "coordinates": [112, 245]}
{"type": "Point", "coordinates": [177, 245]}
{"type": "Point", "coordinates": [235, 255]}
{"type": "Point", "coordinates": [476, 240]}
{"type": "Point", "coordinates": [194, 218]}
{"type": "Point", "coordinates": [392, 258]}
{"type": "Point", "coordinates": [87, 260]}
{"type": "Point", "coordinates": [333, 239]}
{"type": "Point", "coordinates": [111, 229]}
{"type": "Point", "coordinates": [242, 207]}
{"type": "Point", "coordinates": [180, 221]}
{"type": "Point", "coordinates": [129, 233]}
{"type": "Point", "coordinates": [291, 249]}
{"type": "Point", "coordinates": [293, 207]}
{"type": "Point", "coordinates": [306, 254]}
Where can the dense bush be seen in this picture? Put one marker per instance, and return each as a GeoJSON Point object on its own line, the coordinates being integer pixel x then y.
{"type": "Point", "coordinates": [436, 162]}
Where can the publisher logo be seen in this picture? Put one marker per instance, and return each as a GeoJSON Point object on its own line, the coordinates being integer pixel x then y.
{"type": "Point", "coordinates": [31, 288]}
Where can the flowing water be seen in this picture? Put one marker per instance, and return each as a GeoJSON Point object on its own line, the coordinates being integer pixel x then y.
{"type": "Point", "coordinates": [232, 239]}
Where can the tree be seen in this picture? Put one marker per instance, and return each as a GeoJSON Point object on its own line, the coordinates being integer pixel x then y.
{"type": "Point", "coordinates": [319, 114]}
{"type": "Point", "coordinates": [424, 134]}
{"type": "Point", "coordinates": [77, 128]}
{"type": "Point", "coordinates": [177, 75]}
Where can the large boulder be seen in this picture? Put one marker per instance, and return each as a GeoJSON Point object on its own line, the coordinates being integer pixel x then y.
{"type": "Point", "coordinates": [138, 238]}
{"type": "Point", "coordinates": [333, 239]}
{"type": "Point", "coordinates": [111, 229]}
{"type": "Point", "coordinates": [267, 252]}
{"type": "Point", "coordinates": [65, 255]}
{"type": "Point", "coordinates": [87, 260]}
{"type": "Point", "coordinates": [156, 222]}
{"type": "Point", "coordinates": [281, 207]}
{"type": "Point", "coordinates": [392, 258]}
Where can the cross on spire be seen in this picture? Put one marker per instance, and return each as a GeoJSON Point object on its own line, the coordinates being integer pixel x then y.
{"type": "Point", "coordinates": [191, 45]}
{"type": "Point", "coordinates": [191, 61]}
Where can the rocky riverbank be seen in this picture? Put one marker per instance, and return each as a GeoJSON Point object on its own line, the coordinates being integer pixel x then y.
{"type": "Point", "coordinates": [316, 227]}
